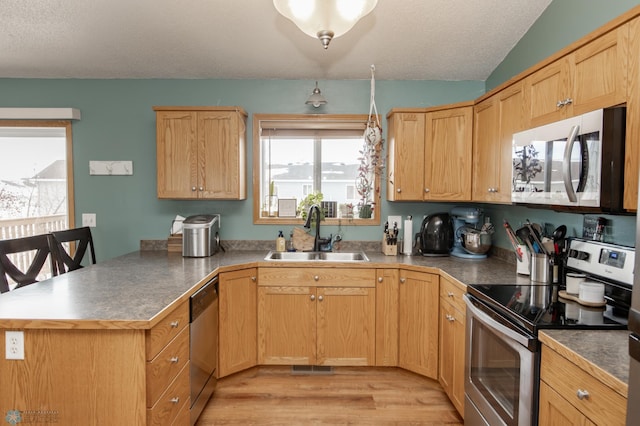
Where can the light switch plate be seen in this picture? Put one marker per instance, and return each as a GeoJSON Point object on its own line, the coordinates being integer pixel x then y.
{"type": "Point", "coordinates": [89, 219]}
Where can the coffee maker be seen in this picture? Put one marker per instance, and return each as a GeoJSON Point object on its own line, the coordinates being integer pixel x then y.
{"type": "Point", "coordinates": [472, 239]}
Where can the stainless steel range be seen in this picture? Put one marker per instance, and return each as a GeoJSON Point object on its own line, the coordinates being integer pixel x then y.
{"type": "Point", "coordinates": [503, 352]}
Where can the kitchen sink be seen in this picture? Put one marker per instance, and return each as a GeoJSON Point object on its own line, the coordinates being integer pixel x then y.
{"type": "Point", "coordinates": [317, 256]}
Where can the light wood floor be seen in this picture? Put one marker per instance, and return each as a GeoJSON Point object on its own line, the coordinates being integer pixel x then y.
{"type": "Point", "coordinates": [349, 395]}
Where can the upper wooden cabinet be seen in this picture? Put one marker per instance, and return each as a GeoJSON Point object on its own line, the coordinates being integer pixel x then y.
{"type": "Point", "coordinates": [591, 77]}
{"type": "Point", "coordinates": [435, 144]}
{"type": "Point", "coordinates": [632, 144]}
{"type": "Point", "coordinates": [201, 152]}
{"type": "Point", "coordinates": [495, 120]}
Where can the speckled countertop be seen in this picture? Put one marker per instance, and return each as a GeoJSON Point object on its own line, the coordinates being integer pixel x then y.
{"type": "Point", "coordinates": [136, 289]}
{"type": "Point", "coordinates": [133, 290]}
{"type": "Point", "coordinates": [602, 353]}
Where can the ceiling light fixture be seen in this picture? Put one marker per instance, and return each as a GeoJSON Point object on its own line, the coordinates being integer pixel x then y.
{"type": "Point", "coordinates": [324, 19]}
{"type": "Point", "coordinates": [316, 99]}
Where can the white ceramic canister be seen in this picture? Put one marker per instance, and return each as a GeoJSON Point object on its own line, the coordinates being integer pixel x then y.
{"type": "Point", "coordinates": [591, 291]}
{"type": "Point", "coordinates": [573, 282]}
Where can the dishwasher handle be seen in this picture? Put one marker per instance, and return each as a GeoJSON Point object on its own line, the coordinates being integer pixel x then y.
{"type": "Point", "coordinates": [203, 298]}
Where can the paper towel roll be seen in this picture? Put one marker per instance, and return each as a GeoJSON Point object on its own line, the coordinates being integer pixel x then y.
{"type": "Point", "coordinates": [407, 237]}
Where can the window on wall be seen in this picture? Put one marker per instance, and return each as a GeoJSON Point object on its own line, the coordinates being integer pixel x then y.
{"type": "Point", "coordinates": [36, 182]}
{"type": "Point", "coordinates": [300, 159]}
{"type": "Point", "coordinates": [35, 177]}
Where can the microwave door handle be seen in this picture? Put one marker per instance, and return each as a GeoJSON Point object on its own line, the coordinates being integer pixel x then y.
{"type": "Point", "coordinates": [566, 164]}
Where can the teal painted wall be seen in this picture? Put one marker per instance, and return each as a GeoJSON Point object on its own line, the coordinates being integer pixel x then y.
{"type": "Point", "coordinates": [118, 123]}
{"type": "Point", "coordinates": [562, 23]}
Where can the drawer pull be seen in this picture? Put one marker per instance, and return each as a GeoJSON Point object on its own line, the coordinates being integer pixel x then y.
{"type": "Point", "coordinates": [174, 400]}
{"type": "Point", "coordinates": [174, 324]}
{"type": "Point", "coordinates": [582, 394]}
{"type": "Point", "coordinates": [379, 279]}
{"type": "Point", "coordinates": [316, 278]}
{"type": "Point", "coordinates": [174, 359]}
{"type": "Point", "coordinates": [450, 294]}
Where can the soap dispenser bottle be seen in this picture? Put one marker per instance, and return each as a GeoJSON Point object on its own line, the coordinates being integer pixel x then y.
{"type": "Point", "coordinates": [280, 242]}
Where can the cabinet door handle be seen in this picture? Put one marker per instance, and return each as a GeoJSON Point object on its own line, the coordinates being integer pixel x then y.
{"type": "Point", "coordinates": [316, 278]}
{"type": "Point", "coordinates": [560, 104]}
{"type": "Point", "coordinates": [174, 324]}
{"type": "Point", "coordinates": [426, 190]}
{"type": "Point", "coordinates": [402, 280]}
{"type": "Point", "coordinates": [320, 298]}
{"type": "Point", "coordinates": [253, 279]}
{"type": "Point", "coordinates": [450, 294]}
{"type": "Point", "coordinates": [568, 101]}
{"type": "Point", "coordinates": [582, 394]}
{"type": "Point", "coordinates": [313, 297]}
{"type": "Point", "coordinates": [379, 279]}
{"type": "Point", "coordinates": [174, 400]}
{"type": "Point", "coordinates": [399, 190]}
{"type": "Point", "coordinates": [193, 188]}
{"type": "Point", "coordinates": [174, 360]}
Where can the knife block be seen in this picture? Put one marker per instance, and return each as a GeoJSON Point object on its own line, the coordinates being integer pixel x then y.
{"type": "Point", "coordinates": [389, 249]}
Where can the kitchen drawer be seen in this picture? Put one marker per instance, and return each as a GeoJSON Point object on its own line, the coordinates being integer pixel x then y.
{"type": "Point", "coordinates": [168, 328]}
{"type": "Point", "coordinates": [602, 406]}
{"type": "Point", "coordinates": [453, 292]}
{"type": "Point", "coordinates": [164, 367]}
{"type": "Point", "coordinates": [317, 277]}
{"type": "Point", "coordinates": [184, 416]}
{"type": "Point", "coordinates": [171, 401]}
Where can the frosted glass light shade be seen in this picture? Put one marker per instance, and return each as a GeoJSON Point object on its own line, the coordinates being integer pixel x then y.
{"type": "Point", "coordinates": [324, 19]}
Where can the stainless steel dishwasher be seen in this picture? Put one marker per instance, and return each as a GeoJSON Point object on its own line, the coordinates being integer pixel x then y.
{"type": "Point", "coordinates": [203, 345]}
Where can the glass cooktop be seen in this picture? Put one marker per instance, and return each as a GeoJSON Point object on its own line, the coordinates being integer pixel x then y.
{"type": "Point", "coordinates": [527, 306]}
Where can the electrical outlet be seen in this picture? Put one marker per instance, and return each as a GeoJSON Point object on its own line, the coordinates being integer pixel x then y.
{"type": "Point", "coordinates": [89, 219]}
{"type": "Point", "coordinates": [396, 219]}
{"type": "Point", "coordinates": [14, 341]}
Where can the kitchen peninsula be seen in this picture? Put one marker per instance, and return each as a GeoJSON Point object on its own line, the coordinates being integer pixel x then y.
{"type": "Point", "coordinates": [92, 336]}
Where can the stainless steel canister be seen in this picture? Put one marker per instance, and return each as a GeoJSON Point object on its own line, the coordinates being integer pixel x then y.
{"type": "Point", "coordinates": [540, 268]}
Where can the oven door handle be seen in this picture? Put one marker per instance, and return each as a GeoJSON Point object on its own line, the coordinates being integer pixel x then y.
{"type": "Point", "coordinates": [484, 318]}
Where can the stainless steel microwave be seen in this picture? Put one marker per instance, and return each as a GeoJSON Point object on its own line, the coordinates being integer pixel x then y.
{"type": "Point", "coordinates": [577, 162]}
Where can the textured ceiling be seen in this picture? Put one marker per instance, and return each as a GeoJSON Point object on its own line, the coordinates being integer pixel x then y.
{"type": "Point", "coordinates": [248, 39]}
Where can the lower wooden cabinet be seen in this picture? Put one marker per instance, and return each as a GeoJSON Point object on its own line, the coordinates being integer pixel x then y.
{"type": "Point", "coordinates": [302, 322]}
{"type": "Point", "coordinates": [418, 323]}
{"type": "Point", "coordinates": [569, 395]}
{"type": "Point", "coordinates": [555, 410]}
{"type": "Point", "coordinates": [452, 341]}
{"type": "Point", "coordinates": [237, 321]}
{"type": "Point", "coordinates": [387, 310]}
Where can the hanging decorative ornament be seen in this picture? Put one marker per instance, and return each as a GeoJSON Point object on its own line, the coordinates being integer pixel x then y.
{"type": "Point", "coordinates": [373, 131]}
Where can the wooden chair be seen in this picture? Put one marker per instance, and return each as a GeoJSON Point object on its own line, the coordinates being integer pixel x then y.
{"type": "Point", "coordinates": [63, 260]}
{"type": "Point", "coordinates": [39, 243]}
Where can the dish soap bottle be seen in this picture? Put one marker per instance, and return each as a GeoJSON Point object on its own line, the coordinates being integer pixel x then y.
{"type": "Point", "coordinates": [280, 242]}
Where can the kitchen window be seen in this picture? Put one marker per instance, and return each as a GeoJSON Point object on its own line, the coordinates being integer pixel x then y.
{"type": "Point", "coordinates": [297, 157]}
{"type": "Point", "coordinates": [36, 178]}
